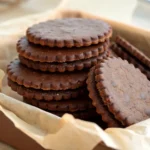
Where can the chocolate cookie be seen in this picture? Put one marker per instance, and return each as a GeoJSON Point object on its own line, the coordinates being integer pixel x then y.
{"type": "Point", "coordinates": [79, 104]}
{"type": "Point", "coordinates": [126, 56]}
{"type": "Point", "coordinates": [69, 32]}
{"type": "Point", "coordinates": [133, 51]}
{"type": "Point", "coordinates": [45, 81]}
{"type": "Point", "coordinates": [62, 67]}
{"type": "Point", "coordinates": [98, 103]}
{"type": "Point", "coordinates": [39, 94]}
{"type": "Point", "coordinates": [47, 54]}
{"type": "Point", "coordinates": [124, 89]}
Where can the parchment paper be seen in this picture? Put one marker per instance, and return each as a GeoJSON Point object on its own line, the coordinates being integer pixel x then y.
{"type": "Point", "coordinates": [47, 129]}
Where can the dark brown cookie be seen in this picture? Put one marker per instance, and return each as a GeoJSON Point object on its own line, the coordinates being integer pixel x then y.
{"type": "Point", "coordinates": [43, 80]}
{"type": "Point", "coordinates": [126, 56]}
{"type": "Point", "coordinates": [47, 54]}
{"type": "Point", "coordinates": [31, 93]}
{"type": "Point", "coordinates": [133, 51]}
{"type": "Point", "coordinates": [85, 115]}
{"type": "Point", "coordinates": [62, 67]}
{"type": "Point", "coordinates": [69, 32]}
{"type": "Point", "coordinates": [79, 104]}
{"type": "Point", "coordinates": [98, 103]}
{"type": "Point", "coordinates": [124, 89]}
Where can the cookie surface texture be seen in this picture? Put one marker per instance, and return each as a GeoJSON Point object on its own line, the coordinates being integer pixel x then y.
{"type": "Point", "coordinates": [124, 89]}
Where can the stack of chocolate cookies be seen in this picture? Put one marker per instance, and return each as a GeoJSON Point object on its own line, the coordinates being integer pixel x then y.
{"type": "Point", "coordinates": [54, 60]}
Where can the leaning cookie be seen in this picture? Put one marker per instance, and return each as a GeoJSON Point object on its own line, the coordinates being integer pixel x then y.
{"type": "Point", "coordinates": [124, 90]}
{"type": "Point", "coordinates": [126, 56]}
{"type": "Point", "coordinates": [133, 51]}
{"type": "Point", "coordinates": [101, 109]}
{"type": "Point", "coordinates": [127, 51]}
{"type": "Point", "coordinates": [69, 32]}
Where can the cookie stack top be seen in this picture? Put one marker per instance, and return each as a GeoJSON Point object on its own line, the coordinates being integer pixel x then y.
{"type": "Point", "coordinates": [64, 44]}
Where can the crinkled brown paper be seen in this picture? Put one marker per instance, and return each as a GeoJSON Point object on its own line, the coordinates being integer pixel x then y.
{"type": "Point", "coordinates": [47, 129]}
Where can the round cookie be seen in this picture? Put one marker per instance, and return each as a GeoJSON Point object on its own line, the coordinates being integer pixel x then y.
{"type": "Point", "coordinates": [63, 67]}
{"type": "Point", "coordinates": [31, 93]}
{"type": "Point", "coordinates": [55, 54]}
{"type": "Point", "coordinates": [124, 89]}
{"type": "Point", "coordinates": [43, 80]}
{"type": "Point", "coordinates": [98, 103]}
{"type": "Point", "coordinates": [69, 32]}
{"type": "Point", "coordinates": [81, 103]}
